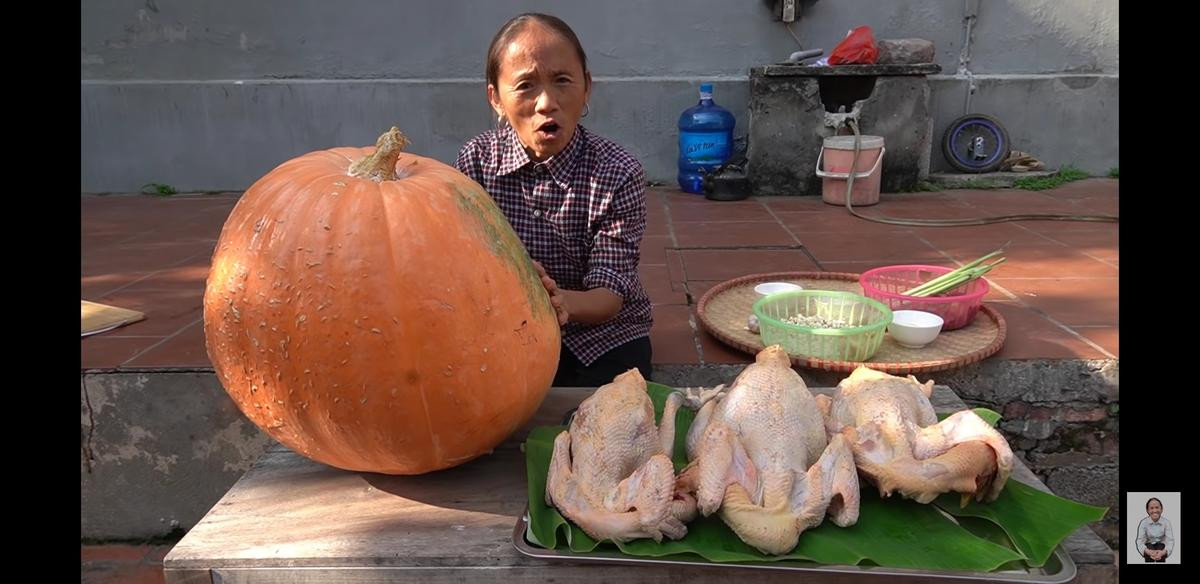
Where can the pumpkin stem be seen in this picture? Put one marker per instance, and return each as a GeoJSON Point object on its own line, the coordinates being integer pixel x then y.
{"type": "Point", "coordinates": [381, 164]}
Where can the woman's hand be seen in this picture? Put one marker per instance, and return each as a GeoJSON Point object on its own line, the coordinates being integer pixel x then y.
{"type": "Point", "coordinates": [556, 297]}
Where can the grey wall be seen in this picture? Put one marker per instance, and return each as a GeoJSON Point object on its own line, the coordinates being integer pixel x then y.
{"type": "Point", "coordinates": [211, 95]}
{"type": "Point", "coordinates": [157, 451]}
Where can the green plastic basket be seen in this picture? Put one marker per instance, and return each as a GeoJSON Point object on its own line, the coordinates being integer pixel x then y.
{"type": "Point", "coordinates": [868, 320]}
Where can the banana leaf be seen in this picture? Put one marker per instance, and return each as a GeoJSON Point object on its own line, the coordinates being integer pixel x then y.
{"type": "Point", "coordinates": [1034, 520]}
{"type": "Point", "coordinates": [1023, 529]}
{"type": "Point", "coordinates": [988, 416]}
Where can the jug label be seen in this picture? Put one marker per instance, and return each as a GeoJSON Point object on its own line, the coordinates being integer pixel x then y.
{"type": "Point", "coordinates": [704, 146]}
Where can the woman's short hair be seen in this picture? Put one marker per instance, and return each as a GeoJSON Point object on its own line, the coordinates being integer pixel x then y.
{"type": "Point", "coordinates": [520, 23]}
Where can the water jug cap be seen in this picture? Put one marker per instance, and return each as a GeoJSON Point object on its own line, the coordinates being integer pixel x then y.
{"type": "Point", "coordinates": [706, 89]}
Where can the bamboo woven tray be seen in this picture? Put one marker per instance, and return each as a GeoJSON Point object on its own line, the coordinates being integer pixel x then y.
{"type": "Point", "coordinates": [723, 311]}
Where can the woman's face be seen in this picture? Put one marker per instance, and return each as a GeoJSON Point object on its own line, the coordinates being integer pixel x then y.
{"type": "Point", "coordinates": [541, 88]}
{"type": "Point", "coordinates": [1154, 509]}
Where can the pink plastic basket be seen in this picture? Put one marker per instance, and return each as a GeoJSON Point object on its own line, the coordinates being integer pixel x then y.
{"type": "Point", "coordinates": [958, 308]}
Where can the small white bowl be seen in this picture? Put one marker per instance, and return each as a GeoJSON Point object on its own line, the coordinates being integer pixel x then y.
{"type": "Point", "coordinates": [768, 288]}
{"type": "Point", "coordinates": [915, 328]}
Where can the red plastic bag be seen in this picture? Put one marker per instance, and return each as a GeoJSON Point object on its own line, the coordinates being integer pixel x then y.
{"type": "Point", "coordinates": [858, 48]}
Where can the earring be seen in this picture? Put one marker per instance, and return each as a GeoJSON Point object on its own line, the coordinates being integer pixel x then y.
{"type": "Point", "coordinates": [500, 120]}
{"type": "Point", "coordinates": [586, 111]}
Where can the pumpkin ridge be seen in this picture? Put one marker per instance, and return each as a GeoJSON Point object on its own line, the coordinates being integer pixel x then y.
{"type": "Point", "coordinates": [505, 245]}
{"type": "Point", "coordinates": [288, 209]}
{"type": "Point", "coordinates": [387, 202]}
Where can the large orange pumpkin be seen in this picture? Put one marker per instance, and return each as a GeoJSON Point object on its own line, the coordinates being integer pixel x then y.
{"type": "Point", "coordinates": [373, 310]}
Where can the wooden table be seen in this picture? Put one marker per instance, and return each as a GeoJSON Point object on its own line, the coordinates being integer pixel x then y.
{"type": "Point", "coordinates": [292, 520]}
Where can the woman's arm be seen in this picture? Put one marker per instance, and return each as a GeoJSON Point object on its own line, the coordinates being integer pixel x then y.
{"type": "Point", "coordinates": [611, 277]}
{"type": "Point", "coordinates": [1170, 538]}
{"type": "Point", "coordinates": [1139, 544]}
{"type": "Point", "coordinates": [592, 306]}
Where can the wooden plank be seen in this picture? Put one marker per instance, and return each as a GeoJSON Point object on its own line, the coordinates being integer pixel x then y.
{"type": "Point", "coordinates": [290, 511]}
{"type": "Point", "coordinates": [328, 525]}
{"type": "Point", "coordinates": [561, 573]}
{"type": "Point", "coordinates": [188, 576]}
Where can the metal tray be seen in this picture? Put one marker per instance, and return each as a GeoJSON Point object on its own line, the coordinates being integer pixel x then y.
{"type": "Point", "coordinates": [1059, 567]}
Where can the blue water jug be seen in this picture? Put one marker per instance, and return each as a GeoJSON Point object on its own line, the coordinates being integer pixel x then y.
{"type": "Point", "coordinates": [705, 140]}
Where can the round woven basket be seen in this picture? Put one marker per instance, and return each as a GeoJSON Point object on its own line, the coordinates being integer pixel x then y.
{"type": "Point", "coordinates": [725, 308]}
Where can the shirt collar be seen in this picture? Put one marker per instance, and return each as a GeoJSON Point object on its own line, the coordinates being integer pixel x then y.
{"type": "Point", "coordinates": [512, 153]}
{"type": "Point", "coordinates": [513, 156]}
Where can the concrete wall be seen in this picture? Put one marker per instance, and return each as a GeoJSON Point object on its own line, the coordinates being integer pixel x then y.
{"type": "Point", "coordinates": [157, 451]}
{"type": "Point", "coordinates": [211, 95]}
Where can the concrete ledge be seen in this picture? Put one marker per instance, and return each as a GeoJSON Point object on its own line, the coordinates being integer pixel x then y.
{"type": "Point", "coordinates": [159, 448]}
{"type": "Point", "coordinates": [992, 381]}
{"type": "Point", "coordinates": [157, 451]}
{"type": "Point", "coordinates": [986, 180]}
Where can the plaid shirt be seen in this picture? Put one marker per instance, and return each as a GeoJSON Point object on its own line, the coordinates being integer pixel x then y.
{"type": "Point", "coordinates": [581, 214]}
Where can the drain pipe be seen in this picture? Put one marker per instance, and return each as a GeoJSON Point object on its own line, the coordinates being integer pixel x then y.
{"type": "Point", "coordinates": [970, 15]}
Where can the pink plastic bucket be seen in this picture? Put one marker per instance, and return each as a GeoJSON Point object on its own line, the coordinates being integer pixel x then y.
{"type": "Point", "coordinates": [838, 153]}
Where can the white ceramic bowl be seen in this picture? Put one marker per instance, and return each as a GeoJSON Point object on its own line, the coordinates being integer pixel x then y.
{"type": "Point", "coordinates": [915, 328]}
{"type": "Point", "coordinates": [768, 288]}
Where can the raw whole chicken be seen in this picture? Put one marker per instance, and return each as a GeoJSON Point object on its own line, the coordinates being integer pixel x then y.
{"type": "Point", "coordinates": [611, 471]}
{"type": "Point", "coordinates": [900, 446]}
{"type": "Point", "coordinates": [759, 456]}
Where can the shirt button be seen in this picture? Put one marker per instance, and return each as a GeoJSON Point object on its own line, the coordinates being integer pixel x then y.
{"type": "Point", "coordinates": [537, 213]}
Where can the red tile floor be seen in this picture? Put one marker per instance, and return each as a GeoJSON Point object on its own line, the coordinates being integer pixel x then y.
{"type": "Point", "coordinates": [1057, 290]}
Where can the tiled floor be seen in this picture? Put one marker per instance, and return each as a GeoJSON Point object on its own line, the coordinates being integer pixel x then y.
{"type": "Point", "coordinates": [1058, 289]}
{"type": "Point", "coordinates": [122, 564]}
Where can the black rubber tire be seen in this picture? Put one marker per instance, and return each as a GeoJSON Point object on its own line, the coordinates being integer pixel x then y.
{"type": "Point", "coordinates": [994, 162]}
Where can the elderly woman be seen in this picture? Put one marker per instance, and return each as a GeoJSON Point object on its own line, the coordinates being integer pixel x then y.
{"type": "Point", "coordinates": [576, 199]}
